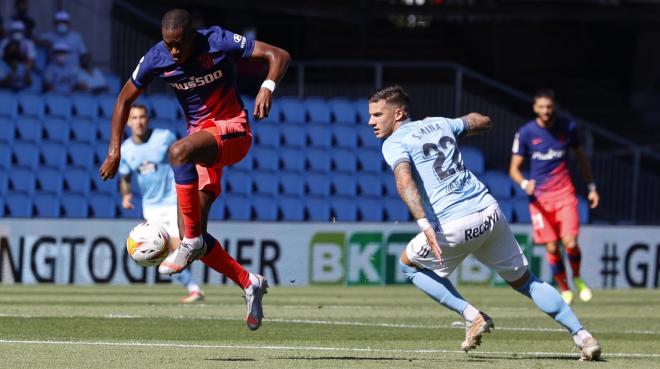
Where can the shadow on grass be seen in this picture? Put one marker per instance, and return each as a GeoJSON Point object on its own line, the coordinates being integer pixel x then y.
{"type": "Point", "coordinates": [231, 359]}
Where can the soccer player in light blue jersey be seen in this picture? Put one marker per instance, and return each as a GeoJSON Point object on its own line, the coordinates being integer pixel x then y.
{"type": "Point", "coordinates": [457, 216]}
{"type": "Point", "coordinates": [145, 154]}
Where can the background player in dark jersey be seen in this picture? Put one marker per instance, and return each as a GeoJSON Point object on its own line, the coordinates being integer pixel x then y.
{"type": "Point", "coordinates": [553, 203]}
{"type": "Point", "coordinates": [198, 65]}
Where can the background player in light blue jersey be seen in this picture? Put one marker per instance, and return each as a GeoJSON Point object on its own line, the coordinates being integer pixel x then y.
{"type": "Point", "coordinates": [457, 216]}
{"type": "Point", "coordinates": [145, 154]}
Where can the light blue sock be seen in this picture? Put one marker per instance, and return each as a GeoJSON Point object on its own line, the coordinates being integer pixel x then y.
{"type": "Point", "coordinates": [550, 302]}
{"type": "Point", "coordinates": [439, 289]}
{"type": "Point", "coordinates": [184, 278]}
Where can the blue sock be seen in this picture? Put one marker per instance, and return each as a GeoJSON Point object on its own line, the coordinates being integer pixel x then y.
{"type": "Point", "coordinates": [184, 278]}
{"type": "Point", "coordinates": [550, 302]}
{"type": "Point", "coordinates": [439, 289]}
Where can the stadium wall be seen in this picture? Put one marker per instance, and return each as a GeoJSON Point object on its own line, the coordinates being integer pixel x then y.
{"type": "Point", "coordinates": [297, 254]}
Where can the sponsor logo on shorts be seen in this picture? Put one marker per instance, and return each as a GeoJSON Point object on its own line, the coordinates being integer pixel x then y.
{"type": "Point", "coordinates": [472, 233]}
{"type": "Point", "coordinates": [193, 81]}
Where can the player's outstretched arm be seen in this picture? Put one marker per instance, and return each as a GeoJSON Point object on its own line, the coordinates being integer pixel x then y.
{"type": "Point", "coordinates": [278, 62]}
{"type": "Point", "coordinates": [585, 169]}
{"type": "Point", "coordinates": [129, 93]}
{"type": "Point", "coordinates": [477, 123]}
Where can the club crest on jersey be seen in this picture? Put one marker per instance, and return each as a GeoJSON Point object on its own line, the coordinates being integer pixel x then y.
{"type": "Point", "coordinates": [206, 61]}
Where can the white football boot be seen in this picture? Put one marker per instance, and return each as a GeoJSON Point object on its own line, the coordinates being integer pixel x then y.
{"type": "Point", "coordinates": [589, 349]}
{"type": "Point", "coordinates": [475, 329]}
{"type": "Point", "coordinates": [185, 253]}
{"type": "Point", "coordinates": [253, 302]}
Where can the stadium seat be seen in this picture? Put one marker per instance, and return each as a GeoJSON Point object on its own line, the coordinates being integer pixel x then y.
{"type": "Point", "coordinates": [293, 159]}
{"type": "Point", "coordinates": [320, 135]}
{"type": "Point", "coordinates": [86, 106]}
{"type": "Point", "coordinates": [5, 156]}
{"type": "Point", "coordinates": [521, 210]}
{"type": "Point", "coordinates": [83, 130]}
{"type": "Point", "coordinates": [507, 208]}
{"type": "Point", "coordinates": [23, 180]}
{"type": "Point", "coordinates": [217, 211]}
{"type": "Point", "coordinates": [57, 129]}
{"type": "Point", "coordinates": [77, 181]}
{"type": "Point", "coordinates": [362, 108]}
{"type": "Point", "coordinates": [371, 161]}
{"type": "Point", "coordinates": [318, 208]}
{"type": "Point", "coordinates": [37, 85]}
{"type": "Point", "coordinates": [267, 135]}
{"type": "Point", "coordinates": [103, 205]}
{"type": "Point", "coordinates": [19, 204]}
{"type": "Point", "coordinates": [164, 107]}
{"type": "Point", "coordinates": [100, 152]}
{"type": "Point", "coordinates": [345, 136]}
{"type": "Point", "coordinates": [29, 129]}
{"type": "Point", "coordinates": [583, 210]}
{"type": "Point", "coordinates": [266, 158]}
{"type": "Point", "coordinates": [344, 209]}
{"type": "Point", "coordinates": [238, 207]}
{"type": "Point", "coordinates": [396, 210]}
{"type": "Point", "coordinates": [2, 206]}
{"type": "Point", "coordinates": [371, 209]}
{"type": "Point", "coordinates": [107, 105]}
{"type": "Point", "coordinates": [114, 83]}
{"type": "Point", "coordinates": [180, 129]}
{"type": "Point", "coordinates": [292, 183]}
{"type": "Point", "coordinates": [370, 185]}
{"type": "Point", "coordinates": [47, 205]}
{"type": "Point", "coordinates": [274, 115]}
{"type": "Point", "coordinates": [318, 160]}
{"type": "Point", "coordinates": [344, 184]}
{"type": "Point", "coordinates": [81, 155]}
{"type": "Point", "coordinates": [295, 135]}
{"type": "Point", "coordinates": [32, 105]}
{"type": "Point", "coordinates": [4, 182]}
{"type": "Point", "coordinates": [58, 106]}
{"type": "Point", "coordinates": [318, 110]}
{"type": "Point", "coordinates": [367, 138]}
{"type": "Point", "coordinates": [318, 184]}
{"type": "Point", "coordinates": [239, 182]}
{"type": "Point", "coordinates": [246, 164]}
{"type": "Point", "coordinates": [499, 184]}
{"type": "Point", "coordinates": [266, 183]}
{"type": "Point", "coordinates": [265, 207]}
{"type": "Point", "coordinates": [248, 106]}
{"type": "Point", "coordinates": [343, 111]}
{"type": "Point", "coordinates": [344, 160]}
{"type": "Point", "coordinates": [473, 159]}
{"type": "Point", "coordinates": [26, 154]}
{"type": "Point", "coordinates": [54, 154]}
{"type": "Point", "coordinates": [50, 180]}
{"type": "Point", "coordinates": [292, 109]}
{"type": "Point", "coordinates": [103, 130]}
{"type": "Point", "coordinates": [109, 186]}
{"type": "Point", "coordinates": [8, 105]}
{"type": "Point", "coordinates": [75, 206]}
{"type": "Point", "coordinates": [292, 208]}
{"type": "Point", "coordinates": [7, 130]}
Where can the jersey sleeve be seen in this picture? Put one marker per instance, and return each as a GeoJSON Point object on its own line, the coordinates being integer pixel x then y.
{"type": "Point", "coordinates": [143, 73]}
{"type": "Point", "coordinates": [124, 169]}
{"type": "Point", "coordinates": [459, 126]}
{"type": "Point", "coordinates": [230, 42]}
{"type": "Point", "coordinates": [395, 153]}
{"type": "Point", "coordinates": [519, 146]}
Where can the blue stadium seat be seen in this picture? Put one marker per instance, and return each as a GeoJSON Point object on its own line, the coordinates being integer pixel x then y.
{"type": "Point", "coordinates": [86, 106]}
{"type": "Point", "coordinates": [77, 181]}
{"type": "Point", "coordinates": [103, 205]}
{"type": "Point", "coordinates": [217, 211]}
{"type": "Point", "coordinates": [180, 129]}
{"type": "Point", "coordinates": [343, 110]}
{"type": "Point", "coordinates": [29, 129]}
{"type": "Point", "coordinates": [5, 156]}
{"type": "Point", "coordinates": [75, 206]}
{"type": "Point", "coordinates": [292, 183]}
{"type": "Point", "coordinates": [521, 210]}
{"type": "Point", "coordinates": [318, 184]}
{"type": "Point", "coordinates": [50, 180]}
{"type": "Point", "coordinates": [4, 182]}
{"type": "Point", "coordinates": [135, 213]}
{"type": "Point", "coordinates": [58, 106]}
{"type": "Point", "coordinates": [344, 160]}
{"type": "Point", "coordinates": [238, 207]}
{"type": "Point", "coordinates": [318, 160]}
{"type": "Point", "coordinates": [248, 106]}
{"type": "Point", "coordinates": [295, 135]}
{"type": "Point", "coordinates": [107, 105]}
{"type": "Point", "coordinates": [371, 161]}
{"type": "Point", "coordinates": [26, 154]}
{"type": "Point", "coordinates": [8, 105]}
{"type": "Point", "coordinates": [344, 184]}
{"type": "Point", "coordinates": [367, 137]}
{"type": "Point", "coordinates": [114, 83]}
{"type": "Point", "coordinates": [362, 108]}
{"type": "Point", "coordinates": [47, 205]}
{"type": "Point", "coordinates": [110, 186]}
{"type": "Point", "coordinates": [23, 180]}
{"type": "Point", "coordinates": [239, 182]}
{"type": "Point", "coordinates": [7, 130]}
{"type": "Point", "coordinates": [320, 135]}
{"type": "Point", "coordinates": [583, 210]}
{"type": "Point", "coordinates": [83, 130]}
{"type": "Point", "coordinates": [57, 129]}
{"type": "Point", "coordinates": [318, 110]}
{"type": "Point", "coordinates": [292, 208]}
{"type": "Point", "coordinates": [293, 159]}
{"type": "Point", "coordinates": [41, 59]}
{"type": "Point", "coordinates": [103, 129]}
{"type": "Point", "coordinates": [81, 155]}
{"type": "Point", "coordinates": [499, 184]}
{"type": "Point", "coordinates": [371, 209]}
{"type": "Point", "coordinates": [292, 109]}
{"type": "Point", "coordinates": [37, 85]}
{"type": "Point", "coordinates": [32, 105]}
{"type": "Point", "coordinates": [54, 154]}
{"type": "Point", "coordinates": [507, 208]}
{"type": "Point", "coordinates": [266, 183]}
{"type": "Point", "coordinates": [100, 152]}
{"type": "Point", "coordinates": [266, 158]}
{"type": "Point", "coordinates": [396, 210]}
{"type": "Point", "coordinates": [473, 159]}
{"type": "Point", "coordinates": [2, 206]}
{"type": "Point", "coordinates": [265, 207]}
{"type": "Point", "coordinates": [318, 208]}
{"type": "Point", "coordinates": [19, 204]}
{"type": "Point", "coordinates": [267, 135]}
{"type": "Point", "coordinates": [164, 107]}
{"type": "Point", "coordinates": [246, 164]}
{"type": "Point", "coordinates": [345, 136]}
{"type": "Point", "coordinates": [158, 123]}
{"type": "Point", "coordinates": [344, 209]}
{"type": "Point", "coordinates": [370, 185]}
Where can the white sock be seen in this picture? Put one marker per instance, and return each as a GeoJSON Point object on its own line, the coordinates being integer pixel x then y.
{"type": "Point", "coordinates": [255, 282]}
{"type": "Point", "coordinates": [580, 336]}
{"type": "Point", "coordinates": [470, 313]}
{"type": "Point", "coordinates": [196, 242]}
{"type": "Point", "coordinates": [193, 287]}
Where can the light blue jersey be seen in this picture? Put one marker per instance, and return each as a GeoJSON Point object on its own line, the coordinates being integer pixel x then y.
{"type": "Point", "coordinates": [149, 161]}
{"type": "Point", "coordinates": [451, 191]}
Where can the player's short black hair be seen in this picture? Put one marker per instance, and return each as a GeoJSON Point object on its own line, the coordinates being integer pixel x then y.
{"type": "Point", "coordinates": [544, 93]}
{"type": "Point", "coordinates": [140, 106]}
{"type": "Point", "coordinates": [391, 94]}
{"type": "Point", "coordinates": [176, 19]}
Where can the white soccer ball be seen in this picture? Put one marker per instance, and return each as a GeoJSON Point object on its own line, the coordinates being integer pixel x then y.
{"type": "Point", "coordinates": [148, 244]}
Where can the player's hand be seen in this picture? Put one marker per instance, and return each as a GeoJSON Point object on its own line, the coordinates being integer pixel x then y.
{"type": "Point", "coordinates": [109, 167]}
{"type": "Point", "coordinates": [433, 243]}
{"type": "Point", "coordinates": [531, 185]}
{"type": "Point", "coordinates": [594, 199]}
{"type": "Point", "coordinates": [262, 103]}
{"type": "Point", "coordinates": [126, 201]}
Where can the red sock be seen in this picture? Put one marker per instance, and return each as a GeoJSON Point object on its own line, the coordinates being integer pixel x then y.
{"type": "Point", "coordinates": [189, 203]}
{"type": "Point", "coordinates": [220, 261]}
{"type": "Point", "coordinates": [574, 259]}
{"type": "Point", "coordinates": [558, 269]}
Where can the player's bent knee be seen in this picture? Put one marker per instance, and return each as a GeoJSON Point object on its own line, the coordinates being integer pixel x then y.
{"type": "Point", "coordinates": [408, 271]}
{"type": "Point", "coordinates": [514, 276]}
{"type": "Point", "coordinates": [179, 152]}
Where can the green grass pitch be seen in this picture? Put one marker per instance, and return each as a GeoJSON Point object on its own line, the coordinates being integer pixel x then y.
{"type": "Point", "coordinates": [313, 327]}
